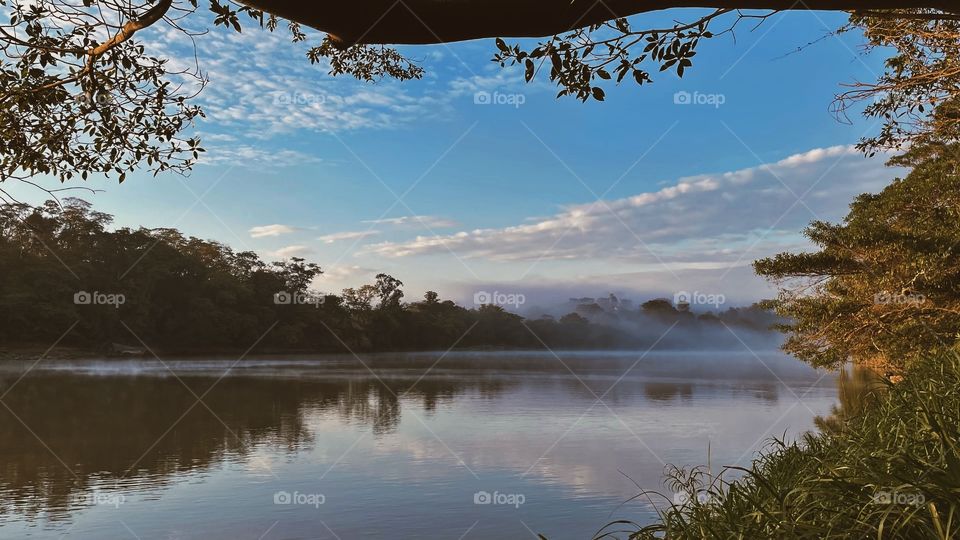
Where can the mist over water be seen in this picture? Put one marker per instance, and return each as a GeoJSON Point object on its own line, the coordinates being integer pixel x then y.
{"type": "Point", "coordinates": [754, 364]}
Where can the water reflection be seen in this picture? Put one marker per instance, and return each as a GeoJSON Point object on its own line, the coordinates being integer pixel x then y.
{"type": "Point", "coordinates": [71, 433]}
{"type": "Point", "coordinates": [857, 389]}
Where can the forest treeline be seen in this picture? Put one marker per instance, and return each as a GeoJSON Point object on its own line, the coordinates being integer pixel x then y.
{"type": "Point", "coordinates": [62, 264]}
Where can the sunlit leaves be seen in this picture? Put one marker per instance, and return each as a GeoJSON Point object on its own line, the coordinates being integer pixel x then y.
{"type": "Point", "coordinates": [917, 96]}
{"type": "Point", "coordinates": [69, 112]}
{"type": "Point", "coordinates": [883, 284]}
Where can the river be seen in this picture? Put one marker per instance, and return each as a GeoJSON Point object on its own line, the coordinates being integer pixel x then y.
{"type": "Point", "coordinates": [457, 446]}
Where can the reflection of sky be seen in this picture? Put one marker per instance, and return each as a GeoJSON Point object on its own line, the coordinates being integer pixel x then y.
{"type": "Point", "coordinates": [496, 434]}
{"type": "Point", "coordinates": [538, 437]}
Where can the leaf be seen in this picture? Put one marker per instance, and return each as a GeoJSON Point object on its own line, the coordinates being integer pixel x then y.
{"type": "Point", "coordinates": [598, 93]}
{"type": "Point", "coordinates": [530, 70]}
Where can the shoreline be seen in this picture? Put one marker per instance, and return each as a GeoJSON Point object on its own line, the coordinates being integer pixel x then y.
{"type": "Point", "coordinates": [20, 353]}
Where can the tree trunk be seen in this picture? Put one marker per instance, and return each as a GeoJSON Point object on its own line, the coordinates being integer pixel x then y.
{"type": "Point", "coordinates": [441, 21]}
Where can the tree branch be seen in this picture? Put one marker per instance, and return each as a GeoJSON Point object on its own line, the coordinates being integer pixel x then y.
{"type": "Point", "coordinates": [441, 21]}
{"type": "Point", "coordinates": [130, 28]}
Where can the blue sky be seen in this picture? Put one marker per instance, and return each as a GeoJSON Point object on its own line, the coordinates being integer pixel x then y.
{"type": "Point", "coordinates": [638, 195]}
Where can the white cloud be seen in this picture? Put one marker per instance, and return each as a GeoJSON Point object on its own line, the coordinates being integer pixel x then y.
{"type": "Point", "coordinates": [347, 273]}
{"type": "Point", "coordinates": [260, 158]}
{"type": "Point", "coordinates": [428, 222]}
{"type": "Point", "coordinates": [261, 85]}
{"type": "Point", "coordinates": [348, 235]}
{"type": "Point", "coordinates": [695, 223]}
{"type": "Point", "coordinates": [276, 229]}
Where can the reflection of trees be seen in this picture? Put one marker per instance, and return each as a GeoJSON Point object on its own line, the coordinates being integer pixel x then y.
{"type": "Point", "coordinates": [111, 431]}
{"type": "Point", "coordinates": [101, 427]}
{"type": "Point", "coordinates": [663, 391]}
{"type": "Point", "coordinates": [856, 390]}
{"type": "Point", "coordinates": [114, 429]}
{"type": "Point", "coordinates": [365, 402]}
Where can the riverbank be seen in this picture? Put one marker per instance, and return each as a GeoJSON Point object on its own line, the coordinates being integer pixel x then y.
{"type": "Point", "coordinates": [33, 352]}
{"type": "Point", "coordinates": [891, 470]}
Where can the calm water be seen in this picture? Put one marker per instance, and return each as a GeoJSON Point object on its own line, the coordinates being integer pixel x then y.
{"type": "Point", "coordinates": [322, 447]}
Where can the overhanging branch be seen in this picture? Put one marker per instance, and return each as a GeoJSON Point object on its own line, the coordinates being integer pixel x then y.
{"type": "Point", "coordinates": [440, 21]}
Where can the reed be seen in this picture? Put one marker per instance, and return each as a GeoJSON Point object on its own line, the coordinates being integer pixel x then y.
{"type": "Point", "coordinates": [891, 470]}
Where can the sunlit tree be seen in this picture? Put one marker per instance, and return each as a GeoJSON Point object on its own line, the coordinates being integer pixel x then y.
{"type": "Point", "coordinates": [884, 285]}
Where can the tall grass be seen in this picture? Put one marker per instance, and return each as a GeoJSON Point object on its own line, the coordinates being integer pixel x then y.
{"type": "Point", "coordinates": [891, 470]}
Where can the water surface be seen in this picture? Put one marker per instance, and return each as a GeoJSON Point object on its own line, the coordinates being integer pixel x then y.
{"type": "Point", "coordinates": [467, 445]}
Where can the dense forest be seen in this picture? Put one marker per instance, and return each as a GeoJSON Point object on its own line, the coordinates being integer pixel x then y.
{"type": "Point", "coordinates": [61, 264]}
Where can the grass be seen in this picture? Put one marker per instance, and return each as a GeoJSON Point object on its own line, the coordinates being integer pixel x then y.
{"type": "Point", "coordinates": [889, 470]}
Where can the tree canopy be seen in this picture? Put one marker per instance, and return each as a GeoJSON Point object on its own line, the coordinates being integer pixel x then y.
{"type": "Point", "coordinates": [884, 286]}
{"type": "Point", "coordinates": [81, 94]}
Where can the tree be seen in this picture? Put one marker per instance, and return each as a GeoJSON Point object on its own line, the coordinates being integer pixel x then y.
{"type": "Point", "coordinates": [659, 307]}
{"type": "Point", "coordinates": [359, 299]}
{"type": "Point", "coordinates": [297, 274]}
{"type": "Point", "coordinates": [388, 289]}
{"type": "Point", "coordinates": [573, 319]}
{"type": "Point", "coordinates": [918, 95]}
{"type": "Point", "coordinates": [80, 96]}
{"type": "Point", "coordinates": [884, 286]}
